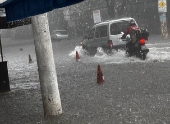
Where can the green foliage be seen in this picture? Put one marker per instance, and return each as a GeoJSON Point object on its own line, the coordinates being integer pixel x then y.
{"type": "Point", "coordinates": [144, 11]}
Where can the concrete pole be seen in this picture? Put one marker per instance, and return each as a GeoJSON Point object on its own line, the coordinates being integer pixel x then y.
{"type": "Point", "coordinates": [1, 49]}
{"type": "Point", "coordinates": [46, 66]}
{"type": "Point", "coordinates": [2, 58]}
{"type": "Point", "coordinates": [164, 29]}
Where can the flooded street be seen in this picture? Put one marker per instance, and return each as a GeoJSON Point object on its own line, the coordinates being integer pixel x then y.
{"type": "Point", "coordinates": [159, 52]}
{"type": "Point", "coordinates": [134, 92]}
{"type": "Point", "coordinates": [49, 85]}
{"type": "Point", "coordinates": [64, 54]}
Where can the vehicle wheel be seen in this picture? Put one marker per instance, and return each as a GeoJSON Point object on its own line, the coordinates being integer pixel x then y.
{"type": "Point", "coordinates": [117, 50]}
{"type": "Point", "coordinates": [108, 51]}
{"type": "Point", "coordinates": [90, 51]}
{"type": "Point", "coordinates": [84, 47]}
{"type": "Point", "coordinates": [143, 56]}
{"type": "Point", "coordinates": [138, 54]}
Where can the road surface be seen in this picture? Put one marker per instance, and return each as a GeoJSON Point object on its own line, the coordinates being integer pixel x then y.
{"type": "Point", "coordinates": [134, 92]}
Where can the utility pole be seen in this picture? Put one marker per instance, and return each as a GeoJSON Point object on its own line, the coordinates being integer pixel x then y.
{"type": "Point", "coordinates": [1, 49]}
{"type": "Point", "coordinates": [2, 58]}
{"type": "Point", "coordinates": [46, 66]}
{"type": "Point", "coordinates": [162, 9]}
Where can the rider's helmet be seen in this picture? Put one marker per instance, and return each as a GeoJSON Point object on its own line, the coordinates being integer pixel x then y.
{"type": "Point", "coordinates": [132, 22]}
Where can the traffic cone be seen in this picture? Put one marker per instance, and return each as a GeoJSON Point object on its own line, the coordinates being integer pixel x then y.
{"type": "Point", "coordinates": [30, 59]}
{"type": "Point", "coordinates": [77, 56]}
{"type": "Point", "coordinates": [100, 77]}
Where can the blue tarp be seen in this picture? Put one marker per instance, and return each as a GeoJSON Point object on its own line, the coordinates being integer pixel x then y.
{"type": "Point", "coordinates": [19, 9]}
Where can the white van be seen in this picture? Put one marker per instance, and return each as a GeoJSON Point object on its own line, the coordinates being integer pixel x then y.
{"type": "Point", "coordinates": [106, 35]}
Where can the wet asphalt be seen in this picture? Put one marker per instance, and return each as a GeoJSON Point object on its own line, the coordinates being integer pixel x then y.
{"type": "Point", "coordinates": [133, 93]}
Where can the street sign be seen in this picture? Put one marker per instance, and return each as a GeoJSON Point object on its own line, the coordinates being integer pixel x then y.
{"type": "Point", "coordinates": [162, 17]}
{"type": "Point", "coordinates": [96, 16]}
{"type": "Point", "coordinates": [162, 6]}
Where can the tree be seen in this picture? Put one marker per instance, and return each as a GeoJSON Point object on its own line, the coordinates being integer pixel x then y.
{"type": "Point", "coordinates": [111, 8]}
{"type": "Point", "coordinates": [56, 20]}
{"type": "Point", "coordinates": [168, 15]}
{"type": "Point", "coordinates": [122, 7]}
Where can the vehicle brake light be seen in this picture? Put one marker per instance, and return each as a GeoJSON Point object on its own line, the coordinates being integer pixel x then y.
{"type": "Point", "coordinates": [110, 43]}
{"type": "Point", "coordinates": [142, 41]}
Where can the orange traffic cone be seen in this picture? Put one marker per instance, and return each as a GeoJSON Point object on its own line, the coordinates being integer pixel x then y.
{"type": "Point", "coordinates": [77, 56]}
{"type": "Point", "coordinates": [100, 77]}
{"type": "Point", "coordinates": [30, 59]}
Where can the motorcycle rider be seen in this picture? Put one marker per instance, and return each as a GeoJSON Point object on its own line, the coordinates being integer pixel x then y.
{"type": "Point", "coordinates": [131, 30]}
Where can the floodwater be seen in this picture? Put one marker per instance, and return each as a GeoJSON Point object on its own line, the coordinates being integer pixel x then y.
{"type": "Point", "coordinates": [135, 91]}
{"type": "Point", "coordinates": [17, 52]}
{"type": "Point", "coordinates": [157, 52]}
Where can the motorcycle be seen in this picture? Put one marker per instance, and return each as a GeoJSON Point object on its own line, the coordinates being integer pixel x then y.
{"type": "Point", "coordinates": [137, 46]}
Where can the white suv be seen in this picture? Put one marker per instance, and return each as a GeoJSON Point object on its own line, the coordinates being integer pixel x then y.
{"type": "Point", "coordinates": [106, 35]}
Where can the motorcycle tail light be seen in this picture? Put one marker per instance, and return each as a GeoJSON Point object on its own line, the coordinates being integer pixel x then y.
{"type": "Point", "coordinates": [142, 41]}
{"type": "Point", "coordinates": [110, 43]}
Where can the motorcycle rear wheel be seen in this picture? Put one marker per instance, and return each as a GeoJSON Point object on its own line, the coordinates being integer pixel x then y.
{"type": "Point", "coordinates": [143, 56]}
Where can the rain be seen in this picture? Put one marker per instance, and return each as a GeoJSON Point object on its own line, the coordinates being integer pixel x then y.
{"type": "Point", "coordinates": [134, 91]}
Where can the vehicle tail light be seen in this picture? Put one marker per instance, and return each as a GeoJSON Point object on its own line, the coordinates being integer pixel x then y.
{"type": "Point", "coordinates": [110, 43]}
{"type": "Point", "coordinates": [142, 41]}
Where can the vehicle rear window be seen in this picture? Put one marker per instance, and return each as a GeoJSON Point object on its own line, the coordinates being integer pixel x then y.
{"type": "Point", "coordinates": [117, 28]}
{"type": "Point", "coordinates": [101, 31]}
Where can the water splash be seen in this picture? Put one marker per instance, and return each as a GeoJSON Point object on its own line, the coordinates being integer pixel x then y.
{"type": "Point", "coordinates": [79, 49]}
{"type": "Point", "coordinates": [158, 52]}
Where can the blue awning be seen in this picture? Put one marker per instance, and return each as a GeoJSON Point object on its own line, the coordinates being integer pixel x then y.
{"type": "Point", "coordinates": [12, 24]}
{"type": "Point", "coordinates": [19, 9]}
